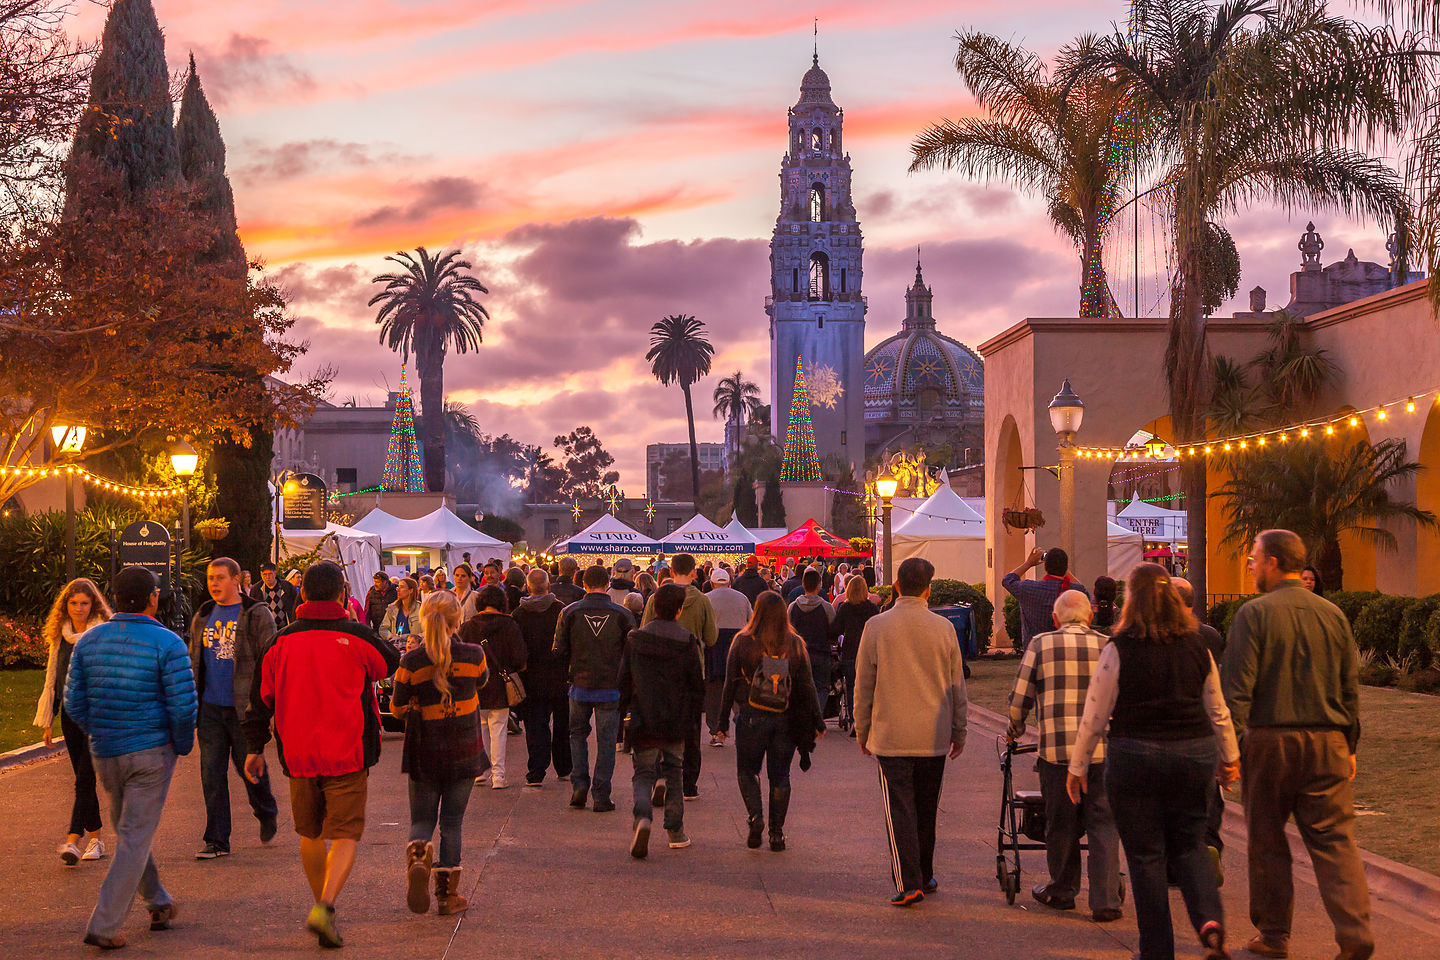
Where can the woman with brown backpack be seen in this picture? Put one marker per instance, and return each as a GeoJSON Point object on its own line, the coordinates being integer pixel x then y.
{"type": "Point", "coordinates": [768, 675]}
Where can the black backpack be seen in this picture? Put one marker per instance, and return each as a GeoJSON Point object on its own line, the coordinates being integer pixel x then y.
{"type": "Point", "coordinates": [770, 685]}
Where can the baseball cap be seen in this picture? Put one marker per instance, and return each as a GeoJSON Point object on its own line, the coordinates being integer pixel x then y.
{"type": "Point", "coordinates": [752, 561]}
{"type": "Point", "coordinates": [721, 575]}
{"type": "Point", "coordinates": [623, 566]}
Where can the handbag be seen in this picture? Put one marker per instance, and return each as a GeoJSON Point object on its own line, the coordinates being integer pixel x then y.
{"type": "Point", "coordinates": [514, 686]}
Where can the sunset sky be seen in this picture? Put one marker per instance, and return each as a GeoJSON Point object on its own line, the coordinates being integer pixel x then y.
{"type": "Point", "coordinates": [603, 164]}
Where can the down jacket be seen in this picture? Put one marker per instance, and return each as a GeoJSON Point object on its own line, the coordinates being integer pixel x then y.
{"type": "Point", "coordinates": [130, 687]}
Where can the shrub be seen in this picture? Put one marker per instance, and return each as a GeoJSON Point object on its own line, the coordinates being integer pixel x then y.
{"type": "Point", "coordinates": [1425, 680]}
{"type": "Point", "coordinates": [1377, 627]}
{"type": "Point", "coordinates": [1376, 671]}
{"type": "Point", "coordinates": [21, 644]}
{"type": "Point", "coordinates": [1351, 602]}
{"type": "Point", "coordinates": [1012, 620]}
{"type": "Point", "coordinates": [945, 593]}
{"type": "Point", "coordinates": [1222, 614]}
{"type": "Point", "coordinates": [1414, 621]}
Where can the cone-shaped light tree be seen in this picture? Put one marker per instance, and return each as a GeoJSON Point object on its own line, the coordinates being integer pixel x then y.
{"type": "Point", "coordinates": [403, 470]}
{"type": "Point", "coordinates": [799, 463]}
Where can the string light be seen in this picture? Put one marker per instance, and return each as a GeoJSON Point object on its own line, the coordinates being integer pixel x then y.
{"type": "Point", "coordinates": [88, 477]}
{"type": "Point", "coordinates": [403, 470]}
{"type": "Point", "coordinates": [799, 463]}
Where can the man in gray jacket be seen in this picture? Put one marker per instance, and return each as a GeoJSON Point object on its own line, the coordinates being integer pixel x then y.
{"type": "Point", "coordinates": [910, 712]}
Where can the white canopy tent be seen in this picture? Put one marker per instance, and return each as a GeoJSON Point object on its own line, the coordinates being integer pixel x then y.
{"type": "Point", "coordinates": [608, 535]}
{"type": "Point", "coordinates": [443, 534]}
{"type": "Point", "coordinates": [699, 535]}
{"type": "Point", "coordinates": [355, 550]}
{"type": "Point", "coordinates": [943, 530]}
{"type": "Point", "coordinates": [1154, 523]}
{"type": "Point", "coordinates": [1124, 549]}
{"type": "Point", "coordinates": [738, 530]}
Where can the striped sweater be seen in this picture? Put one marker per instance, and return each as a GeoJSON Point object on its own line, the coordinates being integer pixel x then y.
{"type": "Point", "coordinates": [442, 743]}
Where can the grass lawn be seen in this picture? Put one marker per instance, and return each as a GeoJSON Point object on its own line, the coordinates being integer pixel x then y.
{"type": "Point", "coordinates": [1399, 764]}
{"type": "Point", "coordinates": [19, 692]}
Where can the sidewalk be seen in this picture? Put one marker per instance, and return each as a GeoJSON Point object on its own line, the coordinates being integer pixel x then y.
{"type": "Point", "coordinates": [547, 881]}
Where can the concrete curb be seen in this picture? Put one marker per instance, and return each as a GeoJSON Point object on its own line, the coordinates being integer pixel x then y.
{"type": "Point", "coordinates": [36, 751]}
{"type": "Point", "coordinates": [1415, 892]}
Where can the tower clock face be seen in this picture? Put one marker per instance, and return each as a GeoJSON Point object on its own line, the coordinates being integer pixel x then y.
{"type": "Point", "coordinates": [878, 370]}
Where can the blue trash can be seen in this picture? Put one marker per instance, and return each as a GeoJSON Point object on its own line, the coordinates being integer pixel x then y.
{"type": "Point", "coordinates": [963, 618]}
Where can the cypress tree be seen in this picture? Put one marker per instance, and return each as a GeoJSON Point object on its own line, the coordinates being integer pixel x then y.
{"type": "Point", "coordinates": [772, 505]}
{"type": "Point", "coordinates": [241, 472]}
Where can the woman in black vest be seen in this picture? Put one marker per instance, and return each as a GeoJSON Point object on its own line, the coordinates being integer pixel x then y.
{"type": "Point", "coordinates": [1157, 687]}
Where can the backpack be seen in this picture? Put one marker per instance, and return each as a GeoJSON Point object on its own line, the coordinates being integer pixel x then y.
{"type": "Point", "coordinates": [770, 686]}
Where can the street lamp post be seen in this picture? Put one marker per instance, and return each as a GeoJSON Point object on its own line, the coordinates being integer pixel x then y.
{"type": "Point", "coordinates": [69, 439]}
{"type": "Point", "coordinates": [885, 486]}
{"type": "Point", "coordinates": [1066, 413]}
{"type": "Point", "coordinates": [184, 460]}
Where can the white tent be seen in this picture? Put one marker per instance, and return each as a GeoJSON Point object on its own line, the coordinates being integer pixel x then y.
{"type": "Point", "coordinates": [441, 532]}
{"type": "Point", "coordinates": [609, 536]}
{"type": "Point", "coordinates": [1124, 549]}
{"type": "Point", "coordinates": [1154, 523]}
{"type": "Point", "coordinates": [355, 550]}
{"type": "Point", "coordinates": [380, 523]}
{"type": "Point", "coordinates": [946, 532]}
{"type": "Point", "coordinates": [699, 535]}
{"type": "Point", "coordinates": [739, 531]}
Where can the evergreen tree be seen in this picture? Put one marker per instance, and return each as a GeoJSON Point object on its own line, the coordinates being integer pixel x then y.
{"type": "Point", "coordinates": [744, 496]}
{"type": "Point", "coordinates": [772, 505]}
{"type": "Point", "coordinates": [202, 163]}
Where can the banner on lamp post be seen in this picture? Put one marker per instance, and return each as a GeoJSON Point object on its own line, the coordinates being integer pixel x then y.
{"type": "Point", "coordinates": [304, 496]}
{"type": "Point", "coordinates": [146, 543]}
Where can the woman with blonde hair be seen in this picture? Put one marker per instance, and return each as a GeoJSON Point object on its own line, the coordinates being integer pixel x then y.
{"type": "Point", "coordinates": [435, 694]}
{"type": "Point", "coordinates": [1158, 689]}
{"type": "Point", "coordinates": [78, 607]}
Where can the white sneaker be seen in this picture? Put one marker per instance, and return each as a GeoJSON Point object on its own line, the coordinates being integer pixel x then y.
{"type": "Point", "coordinates": [70, 853]}
{"type": "Point", "coordinates": [498, 783]}
{"type": "Point", "coordinates": [94, 850]}
{"type": "Point", "coordinates": [482, 778]}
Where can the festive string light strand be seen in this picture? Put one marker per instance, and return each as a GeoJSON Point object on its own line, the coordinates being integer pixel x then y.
{"type": "Point", "coordinates": [103, 483]}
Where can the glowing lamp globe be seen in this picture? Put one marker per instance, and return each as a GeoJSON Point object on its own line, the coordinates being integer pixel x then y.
{"type": "Point", "coordinates": [68, 437]}
{"type": "Point", "coordinates": [184, 459]}
{"type": "Point", "coordinates": [886, 485]}
{"type": "Point", "coordinates": [1066, 411]}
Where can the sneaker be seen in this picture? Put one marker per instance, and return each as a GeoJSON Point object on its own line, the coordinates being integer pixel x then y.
{"type": "Point", "coordinates": [693, 795]}
{"type": "Point", "coordinates": [577, 797]}
{"type": "Point", "coordinates": [94, 850]}
{"type": "Point", "coordinates": [930, 886]}
{"type": "Point", "coordinates": [321, 922]}
{"type": "Point", "coordinates": [498, 783]}
{"type": "Point", "coordinates": [678, 840]}
{"type": "Point", "coordinates": [640, 843]}
{"type": "Point", "coordinates": [1261, 947]}
{"type": "Point", "coordinates": [716, 742]}
{"type": "Point", "coordinates": [1212, 938]}
{"type": "Point", "coordinates": [482, 778]}
{"type": "Point", "coordinates": [657, 795]}
{"type": "Point", "coordinates": [534, 783]}
{"type": "Point", "coordinates": [70, 853]}
{"type": "Point", "coordinates": [1107, 915]}
{"type": "Point", "coordinates": [907, 898]}
{"type": "Point", "coordinates": [105, 943]}
{"type": "Point", "coordinates": [160, 917]}
{"type": "Point", "coordinates": [1042, 894]}
{"type": "Point", "coordinates": [267, 829]}
{"type": "Point", "coordinates": [211, 851]}
{"type": "Point", "coordinates": [604, 806]}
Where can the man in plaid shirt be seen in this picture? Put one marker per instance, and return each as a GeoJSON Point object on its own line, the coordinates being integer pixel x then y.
{"type": "Point", "coordinates": [1054, 676]}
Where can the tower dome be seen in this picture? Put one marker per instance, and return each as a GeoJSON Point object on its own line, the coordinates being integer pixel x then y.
{"type": "Point", "coordinates": [815, 85]}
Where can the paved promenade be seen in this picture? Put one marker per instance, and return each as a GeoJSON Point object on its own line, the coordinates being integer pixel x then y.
{"type": "Point", "coordinates": [547, 881]}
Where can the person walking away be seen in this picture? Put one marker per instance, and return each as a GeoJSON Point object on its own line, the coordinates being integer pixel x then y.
{"type": "Point", "coordinates": [131, 690]}
{"type": "Point", "coordinates": [317, 683]}
{"type": "Point", "coordinates": [435, 695]}
{"type": "Point", "coordinates": [380, 596]}
{"type": "Point", "coordinates": [814, 619]}
{"type": "Point", "coordinates": [279, 595]}
{"type": "Point", "coordinates": [697, 616]}
{"type": "Point", "coordinates": [499, 636]}
{"type": "Point", "coordinates": [909, 713]}
{"type": "Point", "coordinates": [732, 612]}
{"type": "Point", "coordinates": [77, 608]}
{"type": "Point", "coordinates": [751, 582]}
{"type": "Point", "coordinates": [1037, 597]}
{"type": "Point", "coordinates": [402, 618]}
{"type": "Point", "coordinates": [1105, 613]}
{"type": "Point", "coordinates": [660, 690]}
{"type": "Point", "coordinates": [1215, 804]}
{"type": "Point", "coordinates": [792, 583]}
{"type": "Point", "coordinates": [867, 570]}
{"type": "Point", "coordinates": [851, 615]}
{"type": "Point", "coordinates": [589, 637]}
{"type": "Point", "coordinates": [622, 582]}
{"type": "Point", "coordinates": [1291, 678]}
{"type": "Point", "coordinates": [546, 708]}
{"type": "Point", "coordinates": [1159, 690]}
{"type": "Point", "coordinates": [768, 675]}
{"type": "Point", "coordinates": [1054, 674]}
{"type": "Point", "coordinates": [564, 587]}
{"type": "Point", "coordinates": [227, 636]}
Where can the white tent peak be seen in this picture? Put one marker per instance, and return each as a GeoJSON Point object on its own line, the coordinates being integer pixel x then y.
{"type": "Point", "coordinates": [1138, 508]}
{"type": "Point", "coordinates": [737, 529]}
{"type": "Point", "coordinates": [945, 504]}
{"type": "Point", "coordinates": [608, 524]}
{"type": "Point", "coordinates": [696, 524]}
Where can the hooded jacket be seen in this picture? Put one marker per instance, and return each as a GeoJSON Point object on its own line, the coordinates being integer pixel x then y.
{"type": "Point", "coordinates": [814, 619]}
{"type": "Point", "coordinates": [590, 637]}
{"type": "Point", "coordinates": [499, 637]}
{"type": "Point", "coordinates": [254, 631]}
{"type": "Point", "coordinates": [536, 617]}
{"type": "Point", "coordinates": [620, 588]}
{"type": "Point", "coordinates": [660, 683]}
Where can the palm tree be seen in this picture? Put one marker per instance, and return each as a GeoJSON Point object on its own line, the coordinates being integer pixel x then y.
{"type": "Point", "coordinates": [679, 353]}
{"type": "Point", "coordinates": [427, 309]}
{"type": "Point", "coordinates": [1044, 136]}
{"type": "Point", "coordinates": [1322, 494]}
{"type": "Point", "coordinates": [736, 399]}
{"type": "Point", "coordinates": [1247, 100]}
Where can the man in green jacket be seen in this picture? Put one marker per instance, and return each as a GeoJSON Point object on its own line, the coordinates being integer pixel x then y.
{"type": "Point", "coordinates": [697, 616]}
{"type": "Point", "coordinates": [1291, 679]}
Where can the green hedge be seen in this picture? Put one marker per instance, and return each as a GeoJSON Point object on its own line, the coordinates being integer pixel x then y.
{"type": "Point", "coordinates": [947, 593]}
{"type": "Point", "coordinates": [1377, 628]}
{"type": "Point", "coordinates": [1351, 602]}
{"type": "Point", "coordinates": [1414, 626]}
{"type": "Point", "coordinates": [1012, 620]}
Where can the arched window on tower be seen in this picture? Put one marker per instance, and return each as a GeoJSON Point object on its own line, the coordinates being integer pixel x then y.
{"type": "Point", "coordinates": [819, 276]}
{"type": "Point", "coordinates": [795, 280]}
{"type": "Point", "coordinates": [799, 141]}
{"type": "Point", "coordinates": [817, 140]}
{"type": "Point", "coordinates": [817, 202]}
{"type": "Point", "coordinates": [835, 142]}
{"type": "Point", "coordinates": [842, 281]}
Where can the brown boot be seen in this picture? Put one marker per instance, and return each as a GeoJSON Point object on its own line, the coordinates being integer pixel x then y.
{"type": "Point", "coordinates": [447, 891]}
{"type": "Point", "coordinates": [419, 855]}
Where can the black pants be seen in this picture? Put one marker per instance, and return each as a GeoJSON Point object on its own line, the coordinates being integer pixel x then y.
{"type": "Point", "coordinates": [692, 757]}
{"type": "Point", "coordinates": [910, 789]}
{"type": "Point", "coordinates": [85, 811]}
{"type": "Point", "coordinates": [217, 729]}
{"type": "Point", "coordinates": [1066, 822]}
{"type": "Point", "coordinates": [546, 714]}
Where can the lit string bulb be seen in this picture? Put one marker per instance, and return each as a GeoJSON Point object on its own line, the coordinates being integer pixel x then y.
{"type": "Point", "coordinates": [799, 463]}
{"type": "Point", "coordinates": [403, 470]}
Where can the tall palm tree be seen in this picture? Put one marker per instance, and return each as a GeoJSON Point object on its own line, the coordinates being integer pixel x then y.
{"type": "Point", "coordinates": [1043, 135]}
{"type": "Point", "coordinates": [679, 353]}
{"type": "Point", "coordinates": [1322, 494]}
{"type": "Point", "coordinates": [1247, 100]}
{"type": "Point", "coordinates": [428, 308]}
{"type": "Point", "coordinates": [736, 399]}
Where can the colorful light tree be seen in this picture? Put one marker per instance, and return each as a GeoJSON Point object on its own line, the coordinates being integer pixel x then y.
{"type": "Point", "coordinates": [799, 463]}
{"type": "Point", "coordinates": [403, 470]}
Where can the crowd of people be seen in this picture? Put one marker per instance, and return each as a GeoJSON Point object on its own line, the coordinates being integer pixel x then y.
{"type": "Point", "coordinates": [1143, 713]}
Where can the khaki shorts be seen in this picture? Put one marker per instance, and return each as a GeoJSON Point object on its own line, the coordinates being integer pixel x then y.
{"type": "Point", "coordinates": [330, 808]}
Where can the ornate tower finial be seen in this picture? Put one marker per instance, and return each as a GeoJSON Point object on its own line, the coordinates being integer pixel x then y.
{"type": "Point", "coordinates": [919, 280]}
{"type": "Point", "coordinates": [1310, 246]}
{"type": "Point", "coordinates": [815, 57]}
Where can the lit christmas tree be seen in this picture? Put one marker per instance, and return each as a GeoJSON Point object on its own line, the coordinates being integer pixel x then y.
{"type": "Point", "coordinates": [799, 464]}
{"type": "Point", "coordinates": [403, 472]}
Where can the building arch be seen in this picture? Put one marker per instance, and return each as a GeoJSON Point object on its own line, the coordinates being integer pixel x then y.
{"type": "Point", "coordinates": [817, 202]}
{"type": "Point", "coordinates": [819, 276]}
{"type": "Point", "coordinates": [1009, 546]}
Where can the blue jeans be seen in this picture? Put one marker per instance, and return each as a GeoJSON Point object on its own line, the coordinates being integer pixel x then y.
{"type": "Point", "coordinates": [607, 729]}
{"type": "Point", "coordinates": [1158, 793]}
{"type": "Point", "coordinates": [222, 745]}
{"type": "Point", "coordinates": [764, 738]}
{"type": "Point", "coordinates": [663, 760]}
{"type": "Point", "coordinates": [445, 803]}
{"type": "Point", "coordinates": [821, 669]}
{"type": "Point", "coordinates": [137, 784]}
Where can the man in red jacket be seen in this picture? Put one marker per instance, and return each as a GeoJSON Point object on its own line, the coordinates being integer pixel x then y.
{"type": "Point", "coordinates": [317, 681]}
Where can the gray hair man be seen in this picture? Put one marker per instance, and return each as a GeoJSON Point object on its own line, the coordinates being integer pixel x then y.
{"type": "Point", "coordinates": [1053, 678]}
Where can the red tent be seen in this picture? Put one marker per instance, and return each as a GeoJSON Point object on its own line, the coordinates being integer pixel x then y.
{"type": "Point", "coordinates": [808, 540]}
{"type": "Point", "coordinates": [1159, 553]}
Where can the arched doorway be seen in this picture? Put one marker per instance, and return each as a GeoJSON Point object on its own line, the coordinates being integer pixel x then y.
{"type": "Point", "coordinates": [1427, 497]}
{"type": "Point", "coordinates": [1008, 547]}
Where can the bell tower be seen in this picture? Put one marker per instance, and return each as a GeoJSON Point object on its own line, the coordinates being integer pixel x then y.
{"type": "Point", "coordinates": [816, 309]}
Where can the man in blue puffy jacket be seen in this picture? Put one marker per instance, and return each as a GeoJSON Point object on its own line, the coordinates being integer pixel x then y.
{"type": "Point", "coordinates": [131, 689]}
